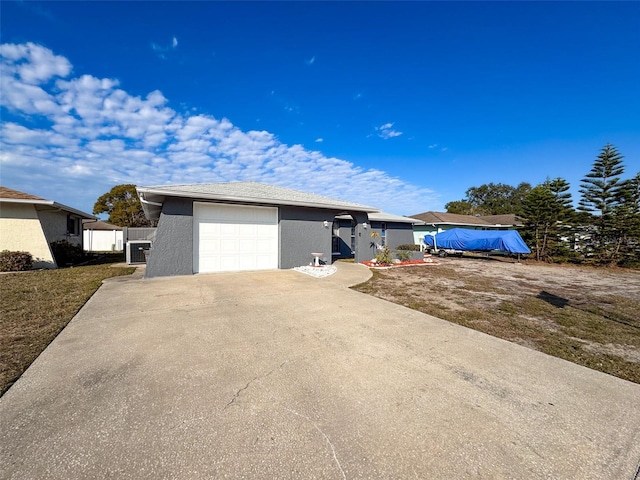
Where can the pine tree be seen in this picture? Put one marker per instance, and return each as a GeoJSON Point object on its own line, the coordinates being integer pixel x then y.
{"type": "Point", "coordinates": [542, 210]}
{"type": "Point", "coordinates": [601, 193]}
{"type": "Point", "coordinates": [627, 221]}
{"type": "Point", "coordinates": [601, 188]}
{"type": "Point", "coordinates": [559, 187]}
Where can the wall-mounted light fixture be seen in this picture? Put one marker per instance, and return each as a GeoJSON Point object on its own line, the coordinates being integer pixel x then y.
{"type": "Point", "coordinates": [364, 225]}
{"type": "Point", "coordinates": [326, 224]}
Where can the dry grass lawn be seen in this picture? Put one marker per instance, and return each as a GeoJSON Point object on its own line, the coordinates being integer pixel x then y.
{"type": "Point", "coordinates": [36, 306]}
{"type": "Point", "coordinates": [585, 315]}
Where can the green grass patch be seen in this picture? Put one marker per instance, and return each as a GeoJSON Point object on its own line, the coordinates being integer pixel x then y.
{"type": "Point", "coordinates": [36, 306]}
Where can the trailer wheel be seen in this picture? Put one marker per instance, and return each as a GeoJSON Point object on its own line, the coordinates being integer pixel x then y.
{"type": "Point", "coordinates": [442, 253]}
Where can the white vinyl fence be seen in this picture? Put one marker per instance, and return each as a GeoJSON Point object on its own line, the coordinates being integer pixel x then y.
{"type": "Point", "coordinates": [103, 240]}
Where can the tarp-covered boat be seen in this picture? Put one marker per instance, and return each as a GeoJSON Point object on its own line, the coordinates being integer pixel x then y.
{"type": "Point", "coordinates": [464, 239]}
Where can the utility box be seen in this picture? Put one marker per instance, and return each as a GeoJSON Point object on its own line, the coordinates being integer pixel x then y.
{"type": "Point", "coordinates": [137, 251]}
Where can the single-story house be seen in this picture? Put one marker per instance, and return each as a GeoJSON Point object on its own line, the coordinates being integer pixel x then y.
{"type": "Point", "coordinates": [393, 230]}
{"type": "Point", "coordinates": [432, 223]}
{"type": "Point", "coordinates": [30, 224]}
{"type": "Point", "coordinates": [244, 226]}
{"type": "Point", "coordinates": [99, 236]}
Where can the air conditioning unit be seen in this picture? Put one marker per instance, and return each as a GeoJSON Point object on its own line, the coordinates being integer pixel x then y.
{"type": "Point", "coordinates": [137, 250]}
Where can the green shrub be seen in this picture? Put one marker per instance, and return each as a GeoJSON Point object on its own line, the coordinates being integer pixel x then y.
{"type": "Point", "coordinates": [66, 253]}
{"type": "Point", "coordinates": [15, 261]}
{"type": "Point", "coordinates": [409, 246]}
{"type": "Point", "coordinates": [404, 255]}
{"type": "Point", "coordinates": [384, 256]}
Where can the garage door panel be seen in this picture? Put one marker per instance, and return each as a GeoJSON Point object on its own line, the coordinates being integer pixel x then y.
{"type": "Point", "coordinates": [246, 246]}
{"type": "Point", "coordinates": [228, 229]}
{"type": "Point", "coordinates": [266, 246]}
{"type": "Point", "coordinates": [247, 230]}
{"type": "Point", "coordinates": [234, 237]}
{"type": "Point", "coordinates": [210, 229]}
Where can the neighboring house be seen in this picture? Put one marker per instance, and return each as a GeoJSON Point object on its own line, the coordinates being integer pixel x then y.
{"type": "Point", "coordinates": [99, 236]}
{"type": "Point", "coordinates": [392, 230]}
{"type": "Point", "coordinates": [244, 226]}
{"type": "Point", "coordinates": [432, 223]}
{"type": "Point", "coordinates": [30, 224]}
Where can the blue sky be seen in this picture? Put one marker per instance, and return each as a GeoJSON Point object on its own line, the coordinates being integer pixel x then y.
{"type": "Point", "coordinates": [402, 106]}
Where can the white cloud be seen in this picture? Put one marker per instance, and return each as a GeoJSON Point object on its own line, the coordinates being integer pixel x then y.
{"type": "Point", "coordinates": [33, 63]}
{"type": "Point", "coordinates": [92, 135]}
{"type": "Point", "coordinates": [386, 131]}
{"type": "Point", "coordinates": [311, 61]}
{"type": "Point", "coordinates": [435, 145]}
{"type": "Point", "coordinates": [319, 140]}
{"type": "Point", "coordinates": [161, 51]}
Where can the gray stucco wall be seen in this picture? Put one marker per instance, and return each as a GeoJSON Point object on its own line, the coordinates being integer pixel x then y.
{"type": "Point", "coordinates": [399, 234]}
{"type": "Point", "coordinates": [172, 251]}
{"type": "Point", "coordinates": [302, 232]}
{"type": "Point", "coordinates": [396, 234]}
{"type": "Point", "coordinates": [54, 225]}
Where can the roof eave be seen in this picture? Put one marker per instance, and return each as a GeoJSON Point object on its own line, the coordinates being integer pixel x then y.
{"type": "Point", "coordinates": [49, 203]}
{"type": "Point", "coordinates": [157, 196]}
{"type": "Point", "coordinates": [25, 200]}
{"type": "Point", "coordinates": [79, 213]}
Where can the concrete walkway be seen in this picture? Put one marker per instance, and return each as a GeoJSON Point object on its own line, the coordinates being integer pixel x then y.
{"type": "Point", "coordinates": [281, 375]}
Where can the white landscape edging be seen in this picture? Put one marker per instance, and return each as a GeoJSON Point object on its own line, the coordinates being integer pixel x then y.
{"type": "Point", "coordinates": [318, 272]}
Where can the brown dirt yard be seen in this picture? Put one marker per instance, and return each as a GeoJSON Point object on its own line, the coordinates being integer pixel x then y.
{"type": "Point", "coordinates": [589, 316]}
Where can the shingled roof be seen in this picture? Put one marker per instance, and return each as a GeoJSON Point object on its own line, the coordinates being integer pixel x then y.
{"type": "Point", "coordinates": [99, 225]}
{"type": "Point", "coordinates": [10, 194]}
{"type": "Point", "coordinates": [507, 219]}
{"type": "Point", "coordinates": [254, 193]}
{"type": "Point", "coordinates": [242, 192]}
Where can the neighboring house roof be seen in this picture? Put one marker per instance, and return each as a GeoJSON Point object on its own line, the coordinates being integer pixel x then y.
{"type": "Point", "coordinates": [439, 218]}
{"type": "Point", "coordinates": [241, 192]}
{"type": "Point", "coordinates": [99, 225]}
{"type": "Point", "coordinates": [9, 195]}
{"type": "Point", "coordinates": [449, 219]}
{"type": "Point", "coordinates": [509, 219]}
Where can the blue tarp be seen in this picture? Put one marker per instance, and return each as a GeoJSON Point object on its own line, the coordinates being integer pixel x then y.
{"type": "Point", "coordinates": [479, 240]}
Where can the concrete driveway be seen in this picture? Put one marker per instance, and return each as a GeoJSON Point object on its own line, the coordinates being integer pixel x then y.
{"type": "Point", "coordinates": [280, 375]}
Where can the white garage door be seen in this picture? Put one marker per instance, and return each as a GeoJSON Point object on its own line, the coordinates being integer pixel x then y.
{"type": "Point", "coordinates": [230, 238]}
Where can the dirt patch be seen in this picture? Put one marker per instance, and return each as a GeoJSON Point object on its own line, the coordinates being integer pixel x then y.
{"type": "Point", "coordinates": [589, 316]}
